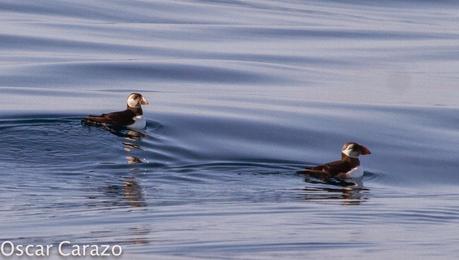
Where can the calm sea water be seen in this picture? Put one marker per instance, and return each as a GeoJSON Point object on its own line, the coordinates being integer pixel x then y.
{"type": "Point", "coordinates": [243, 94]}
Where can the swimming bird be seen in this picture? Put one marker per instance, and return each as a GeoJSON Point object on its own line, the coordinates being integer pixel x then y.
{"type": "Point", "coordinates": [131, 118]}
{"type": "Point", "coordinates": [346, 168]}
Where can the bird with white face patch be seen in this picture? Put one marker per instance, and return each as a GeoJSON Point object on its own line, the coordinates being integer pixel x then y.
{"type": "Point", "coordinates": [131, 118]}
{"type": "Point", "coordinates": [346, 168]}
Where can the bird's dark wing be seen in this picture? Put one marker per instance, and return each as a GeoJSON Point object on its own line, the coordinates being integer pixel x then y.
{"type": "Point", "coordinates": [122, 118]}
{"type": "Point", "coordinates": [328, 170]}
{"type": "Point", "coordinates": [336, 167]}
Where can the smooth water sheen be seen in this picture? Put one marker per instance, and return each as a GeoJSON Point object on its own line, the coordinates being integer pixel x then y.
{"type": "Point", "coordinates": [243, 94]}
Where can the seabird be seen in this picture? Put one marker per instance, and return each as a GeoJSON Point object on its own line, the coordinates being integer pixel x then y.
{"type": "Point", "coordinates": [131, 118]}
{"type": "Point", "coordinates": [346, 168]}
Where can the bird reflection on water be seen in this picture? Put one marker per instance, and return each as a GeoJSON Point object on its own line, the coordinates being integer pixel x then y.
{"type": "Point", "coordinates": [132, 191]}
{"type": "Point", "coordinates": [345, 193]}
{"type": "Point", "coordinates": [129, 190]}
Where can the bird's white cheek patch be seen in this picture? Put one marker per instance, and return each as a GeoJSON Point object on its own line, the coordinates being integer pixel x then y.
{"type": "Point", "coordinates": [132, 102]}
{"type": "Point", "coordinates": [349, 152]}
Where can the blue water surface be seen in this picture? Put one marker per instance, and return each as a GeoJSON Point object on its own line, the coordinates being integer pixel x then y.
{"type": "Point", "coordinates": [243, 94]}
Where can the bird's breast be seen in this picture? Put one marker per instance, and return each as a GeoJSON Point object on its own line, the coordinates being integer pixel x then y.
{"type": "Point", "coordinates": [139, 123]}
{"type": "Point", "coordinates": [355, 173]}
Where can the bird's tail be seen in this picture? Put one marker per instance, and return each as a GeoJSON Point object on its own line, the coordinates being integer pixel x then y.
{"type": "Point", "coordinates": [92, 120]}
{"type": "Point", "coordinates": [315, 173]}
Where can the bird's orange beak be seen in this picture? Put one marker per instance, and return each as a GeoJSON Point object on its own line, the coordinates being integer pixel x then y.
{"type": "Point", "coordinates": [365, 151]}
{"type": "Point", "coordinates": [144, 101]}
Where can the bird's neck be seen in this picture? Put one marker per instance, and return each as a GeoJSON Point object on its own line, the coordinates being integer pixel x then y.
{"type": "Point", "coordinates": [136, 110]}
{"type": "Point", "coordinates": [353, 161]}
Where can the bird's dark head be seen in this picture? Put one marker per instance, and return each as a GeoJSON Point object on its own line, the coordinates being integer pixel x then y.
{"type": "Point", "coordinates": [354, 150]}
{"type": "Point", "coordinates": [136, 100]}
